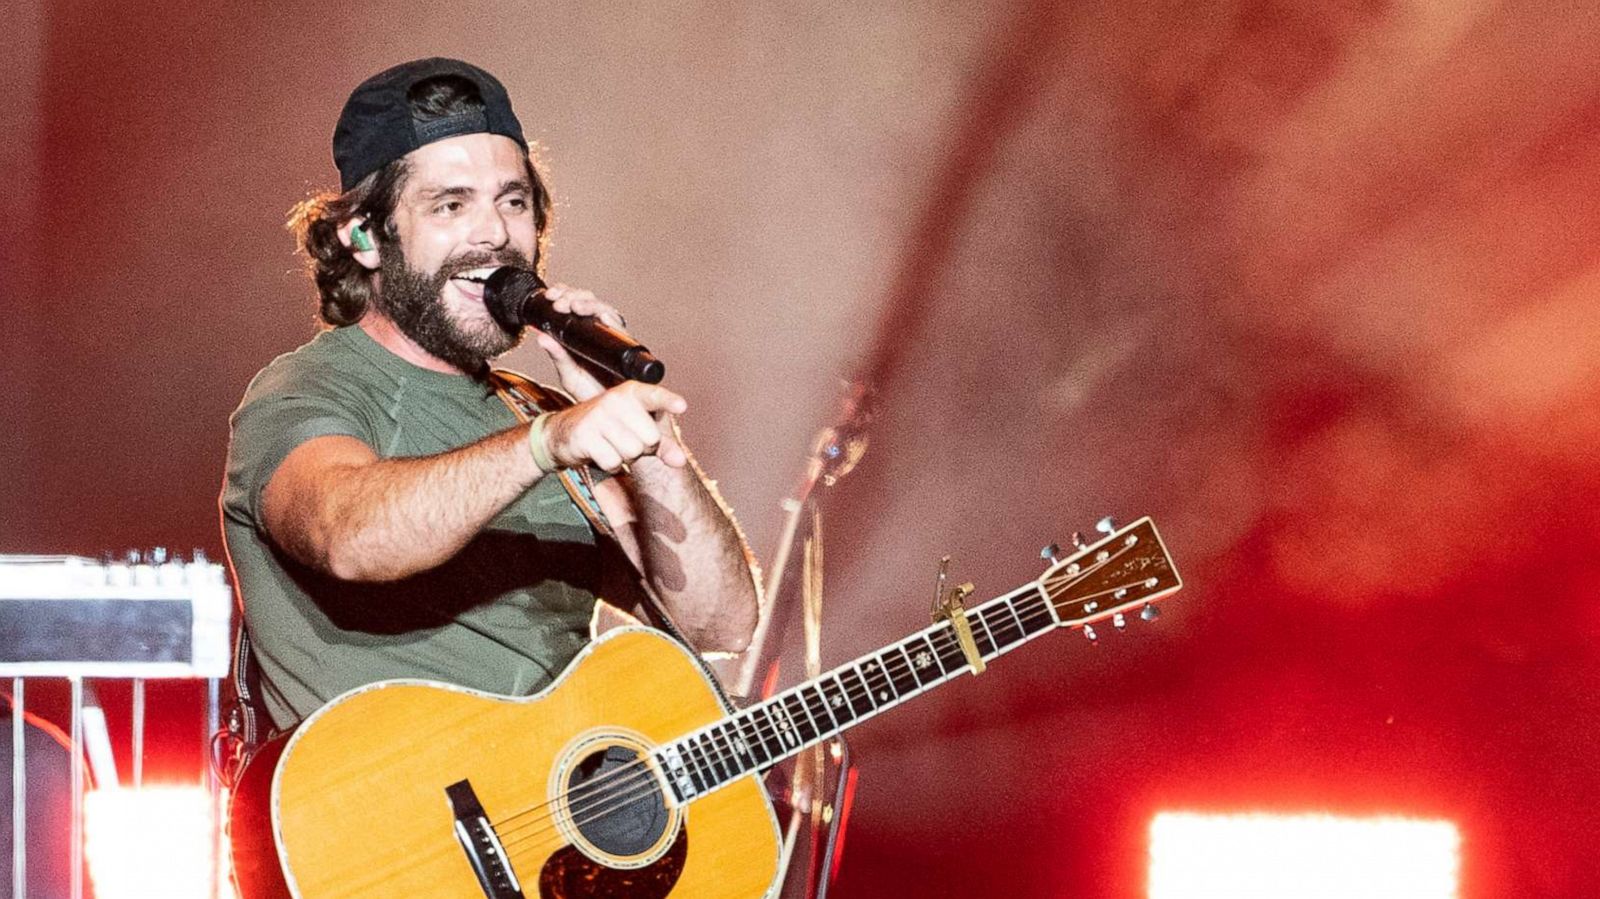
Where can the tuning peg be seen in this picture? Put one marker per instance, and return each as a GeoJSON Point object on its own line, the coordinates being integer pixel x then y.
{"type": "Point", "coordinates": [1088, 631]}
{"type": "Point", "coordinates": [1078, 541]}
{"type": "Point", "coordinates": [1119, 622]}
{"type": "Point", "coordinates": [158, 556]}
{"type": "Point", "coordinates": [1106, 525]}
{"type": "Point", "coordinates": [1149, 613]}
{"type": "Point", "coordinates": [1051, 554]}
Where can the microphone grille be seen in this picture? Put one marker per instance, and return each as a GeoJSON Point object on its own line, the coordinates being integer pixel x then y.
{"type": "Point", "coordinates": [506, 290]}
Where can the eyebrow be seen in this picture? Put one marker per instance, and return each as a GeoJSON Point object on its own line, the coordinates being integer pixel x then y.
{"type": "Point", "coordinates": [515, 185]}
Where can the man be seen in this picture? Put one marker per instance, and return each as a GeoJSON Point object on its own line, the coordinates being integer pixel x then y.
{"type": "Point", "coordinates": [386, 514]}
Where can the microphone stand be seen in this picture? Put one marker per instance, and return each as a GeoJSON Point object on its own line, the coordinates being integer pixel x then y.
{"type": "Point", "coordinates": [835, 452]}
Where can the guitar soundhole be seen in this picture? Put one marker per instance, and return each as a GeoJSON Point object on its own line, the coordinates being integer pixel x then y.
{"type": "Point", "coordinates": [616, 803]}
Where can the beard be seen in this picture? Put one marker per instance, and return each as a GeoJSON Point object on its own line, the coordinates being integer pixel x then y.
{"type": "Point", "coordinates": [414, 301]}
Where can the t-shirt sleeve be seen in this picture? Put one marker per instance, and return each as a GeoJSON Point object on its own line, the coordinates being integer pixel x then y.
{"type": "Point", "coordinates": [269, 424]}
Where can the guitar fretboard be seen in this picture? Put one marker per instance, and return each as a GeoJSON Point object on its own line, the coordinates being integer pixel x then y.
{"type": "Point", "coordinates": [782, 726]}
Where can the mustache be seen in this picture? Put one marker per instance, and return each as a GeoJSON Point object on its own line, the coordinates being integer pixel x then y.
{"type": "Point", "coordinates": [466, 262]}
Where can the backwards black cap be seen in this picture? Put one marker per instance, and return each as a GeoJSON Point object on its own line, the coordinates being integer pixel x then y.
{"type": "Point", "coordinates": [376, 126]}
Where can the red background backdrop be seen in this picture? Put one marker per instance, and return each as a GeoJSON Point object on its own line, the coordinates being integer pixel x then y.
{"type": "Point", "coordinates": [1314, 284]}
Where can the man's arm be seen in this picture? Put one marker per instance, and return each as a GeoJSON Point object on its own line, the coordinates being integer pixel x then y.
{"type": "Point", "coordinates": [334, 505]}
{"type": "Point", "coordinates": [665, 514]}
{"type": "Point", "coordinates": [672, 525]}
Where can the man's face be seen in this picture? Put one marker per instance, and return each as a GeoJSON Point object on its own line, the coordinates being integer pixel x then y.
{"type": "Point", "coordinates": [467, 207]}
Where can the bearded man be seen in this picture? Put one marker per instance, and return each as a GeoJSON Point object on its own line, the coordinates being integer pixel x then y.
{"type": "Point", "coordinates": [386, 514]}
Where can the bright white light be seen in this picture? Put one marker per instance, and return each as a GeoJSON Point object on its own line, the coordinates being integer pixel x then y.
{"type": "Point", "coordinates": [1263, 856]}
{"type": "Point", "coordinates": [147, 843]}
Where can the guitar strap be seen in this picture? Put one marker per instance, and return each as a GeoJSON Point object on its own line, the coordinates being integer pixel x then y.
{"type": "Point", "coordinates": [243, 730]}
{"type": "Point", "coordinates": [527, 398]}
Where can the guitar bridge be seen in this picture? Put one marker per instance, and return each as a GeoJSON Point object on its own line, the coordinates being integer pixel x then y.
{"type": "Point", "coordinates": [482, 845]}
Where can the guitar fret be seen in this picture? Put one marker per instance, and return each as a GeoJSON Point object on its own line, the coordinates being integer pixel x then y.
{"type": "Point", "coordinates": [762, 721]}
{"type": "Point", "coordinates": [761, 718]}
{"type": "Point", "coordinates": [801, 722]}
{"type": "Point", "coordinates": [1046, 611]}
{"type": "Point", "coordinates": [786, 728]}
{"type": "Point", "coordinates": [878, 681]}
{"type": "Point", "coordinates": [698, 770]}
{"type": "Point", "coordinates": [1021, 628]}
{"type": "Point", "coordinates": [1017, 609]}
{"type": "Point", "coordinates": [917, 682]}
{"type": "Point", "coordinates": [1002, 627]}
{"type": "Point", "coordinates": [738, 751]}
{"type": "Point", "coordinates": [752, 738]}
{"type": "Point", "coordinates": [933, 653]}
{"type": "Point", "coordinates": [770, 730]}
{"type": "Point", "coordinates": [841, 701]}
{"type": "Point", "coordinates": [918, 663]}
{"type": "Point", "coordinates": [898, 668]}
{"type": "Point", "coordinates": [978, 636]}
{"type": "Point", "coordinates": [815, 690]}
{"type": "Point", "coordinates": [865, 690]}
{"type": "Point", "coordinates": [729, 752]}
{"type": "Point", "coordinates": [714, 756]}
{"type": "Point", "coordinates": [950, 649]}
{"type": "Point", "coordinates": [730, 756]}
{"type": "Point", "coordinates": [804, 719]}
{"type": "Point", "coordinates": [719, 757]}
{"type": "Point", "coordinates": [798, 699]}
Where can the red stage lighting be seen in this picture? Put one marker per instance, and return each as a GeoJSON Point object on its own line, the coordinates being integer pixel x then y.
{"type": "Point", "coordinates": [1311, 856]}
{"type": "Point", "coordinates": [154, 841]}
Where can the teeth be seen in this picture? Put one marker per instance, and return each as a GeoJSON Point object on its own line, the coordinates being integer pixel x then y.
{"type": "Point", "coordinates": [478, 274]}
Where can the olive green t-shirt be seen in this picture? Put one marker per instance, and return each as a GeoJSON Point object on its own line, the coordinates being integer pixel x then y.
{"type": "Point", "coordinates": [504, 615]}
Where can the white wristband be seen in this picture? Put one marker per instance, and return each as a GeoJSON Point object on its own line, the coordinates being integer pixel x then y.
{"type": "Point", "coordinates": [536, 443]}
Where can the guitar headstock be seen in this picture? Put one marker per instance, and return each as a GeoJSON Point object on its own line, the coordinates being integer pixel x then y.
{"type": "Point", "coordinates": [1126, 570]}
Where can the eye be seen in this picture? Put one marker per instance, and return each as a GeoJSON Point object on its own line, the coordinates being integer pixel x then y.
{"type": "Point", "coordinates": [448, 207]}
{"type": "Point", "coordinates": [520, 204]}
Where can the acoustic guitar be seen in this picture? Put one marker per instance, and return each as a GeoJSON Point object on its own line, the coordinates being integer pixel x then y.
{"type": "Point", "coordinates": [627, 776]}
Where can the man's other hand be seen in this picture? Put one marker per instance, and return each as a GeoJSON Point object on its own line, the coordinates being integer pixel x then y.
{"type": "Point", "coordinates": [617, 426]}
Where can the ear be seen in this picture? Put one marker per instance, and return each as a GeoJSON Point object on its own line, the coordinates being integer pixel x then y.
{"type": "Point", "coordinates": [363, 248]}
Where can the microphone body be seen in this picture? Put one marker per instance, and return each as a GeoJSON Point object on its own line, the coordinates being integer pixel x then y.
{"type": "Point", "coordinates": [515, 297]}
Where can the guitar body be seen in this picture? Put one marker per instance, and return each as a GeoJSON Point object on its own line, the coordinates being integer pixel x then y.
{"type": "Point", "coordinates": [377, 792]}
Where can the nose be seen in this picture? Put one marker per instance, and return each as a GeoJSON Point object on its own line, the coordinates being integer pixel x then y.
{"type": "Point", "coordinates": [489, 230]}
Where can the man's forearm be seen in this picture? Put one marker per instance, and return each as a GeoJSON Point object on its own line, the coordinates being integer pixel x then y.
{"type": "Point", "coordinates": [386, 519]}
{"type": "Point", "coordinates": [693, 554]}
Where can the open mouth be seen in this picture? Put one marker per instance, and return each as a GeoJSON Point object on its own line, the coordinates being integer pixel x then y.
{"type": "Point", "coordinates": [477, 275]}
{"type": "Point", "coordinates": [470, 283]}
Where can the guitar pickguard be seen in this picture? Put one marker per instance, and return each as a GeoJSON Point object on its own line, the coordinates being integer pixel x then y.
{"type": "Point", "coordinates": [569, 874]}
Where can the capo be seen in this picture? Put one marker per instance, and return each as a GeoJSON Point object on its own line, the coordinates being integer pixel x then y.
{"type": "Point", "coordinates": [948, 606]}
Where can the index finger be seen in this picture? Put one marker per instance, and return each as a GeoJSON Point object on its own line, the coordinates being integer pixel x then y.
{"type": "Point", "coordinates": [659, 399]}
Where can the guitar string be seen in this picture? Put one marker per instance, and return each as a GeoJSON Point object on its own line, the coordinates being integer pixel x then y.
{"type": "Point", "coordinates": [637, 774]}
{"type": "Point", "coordinates": [870, 682]}
{"type": "Point", "coordinates": [648, 787]}
{"type": "Point", "coordinates": [551, 835]}
{"type": "Point", "coordinates": [532, 840]}
{"type": "Point", "coordinates": [634, 780]}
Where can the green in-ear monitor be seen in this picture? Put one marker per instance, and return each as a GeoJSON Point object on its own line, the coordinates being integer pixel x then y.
{"type": "Point", "coordinates": [361, 239]}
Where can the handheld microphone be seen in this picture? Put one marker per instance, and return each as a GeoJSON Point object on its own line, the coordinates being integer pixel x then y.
{"type": "Point", "coordinates": [515, 297]}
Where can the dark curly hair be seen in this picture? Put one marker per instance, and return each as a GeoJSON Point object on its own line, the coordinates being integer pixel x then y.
{"type": "Point", "coordinates": [344, 286]}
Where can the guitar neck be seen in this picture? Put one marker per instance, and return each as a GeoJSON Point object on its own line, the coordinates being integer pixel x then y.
{"type": "Point", "coordinates": [836, 701]}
